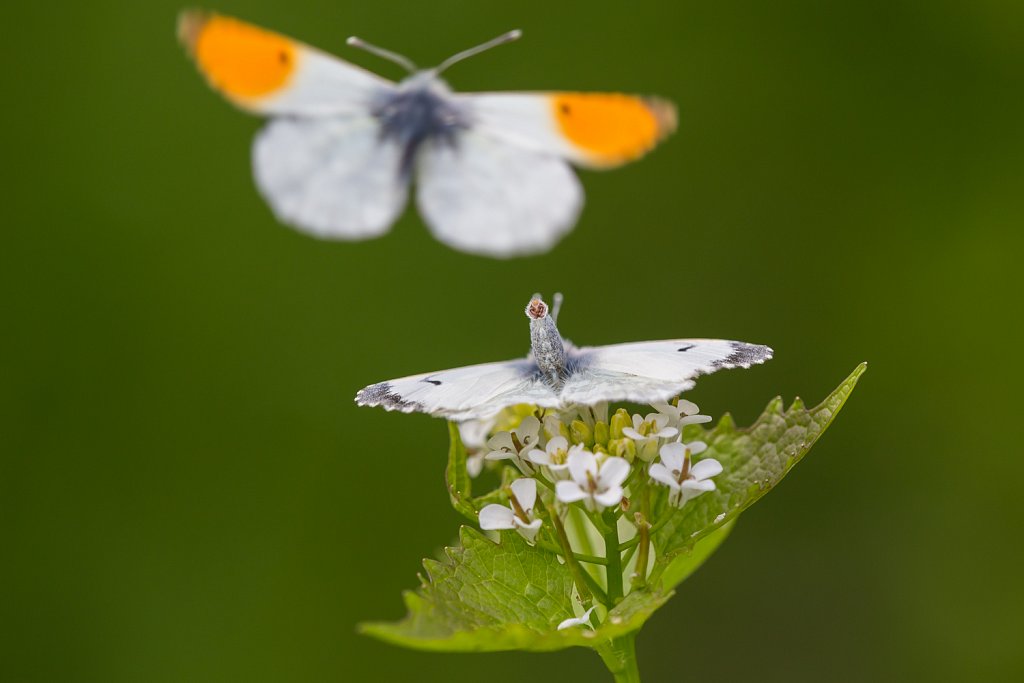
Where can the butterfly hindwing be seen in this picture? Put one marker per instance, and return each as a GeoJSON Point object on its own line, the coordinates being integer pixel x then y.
{"type": "Point", "coordinates": [486, 196]}
{"type": "Point", "coordinates": [330, 177]}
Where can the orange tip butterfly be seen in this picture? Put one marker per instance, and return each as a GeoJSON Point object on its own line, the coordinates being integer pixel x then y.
{"type": "Point", "coordinates": [492, 170]}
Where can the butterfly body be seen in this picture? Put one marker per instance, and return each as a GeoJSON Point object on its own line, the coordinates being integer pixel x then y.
{"type": "Point", "coordinates": [420, 110]}
{"type": "Point", "coordinates": [557, 374]}
{"type": "Point", "coordinates": [493, 170]}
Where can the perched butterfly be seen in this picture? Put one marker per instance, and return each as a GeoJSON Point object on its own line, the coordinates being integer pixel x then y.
{"type": "Point", "coordinates": [557, 374]}
{"type": "Point", "coordinates": [492, 169]}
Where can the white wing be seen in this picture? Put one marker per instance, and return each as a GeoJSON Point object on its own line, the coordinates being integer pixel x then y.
{"type": "Point", "coordinates": [645, 372]}
{"type": "Point", "coordinates": [470, 393]}
{"type": "Point", "coordinates": [489, 197]}
{"type": "Point", "coordinates": [330, 177]}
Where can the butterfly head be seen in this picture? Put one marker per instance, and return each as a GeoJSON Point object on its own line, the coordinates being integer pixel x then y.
{"type": "Point", "coordinates": [536, 309]}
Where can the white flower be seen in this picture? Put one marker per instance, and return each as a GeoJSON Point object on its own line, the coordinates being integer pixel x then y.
{"type": "Point", "coordinates": [583, 620]}
{"type": "Point", "coordinates": [654, 426]}
{"type": "Point", "coordinates": [554, 457]}
{"type": "Point", "coordinates": [599, 486]}
{"type": "Point", "coordinates": [516, 444]}
{"type": "Point", "coordinates": [674, 471]}
{"type": "Point", "coordinates": [647, 431]}
{"type": "Point", "coordinates": [524, 495]}
{"type": "Point", "coordinates": [686, 413]}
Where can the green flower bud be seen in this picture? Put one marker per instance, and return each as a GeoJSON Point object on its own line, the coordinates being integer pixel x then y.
{"type": "Point", "coordinates": [620, 420]}
{"type": "Point", "coordinates": [601, 433]}
{"type": "Point", "coordinates": [581, 433]}
{"type": "Point", "coordinates": [624, 448]}
{"type": "Point", "coordinates": [648, 450]}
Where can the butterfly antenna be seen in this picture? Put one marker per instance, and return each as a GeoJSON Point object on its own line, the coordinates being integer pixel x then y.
{"type": "Point", "coordinates": [495, 42]}
{"type": "Point", "coordinates": [400, 60]}
{"type": "Point", "coordinates": [556, 306]}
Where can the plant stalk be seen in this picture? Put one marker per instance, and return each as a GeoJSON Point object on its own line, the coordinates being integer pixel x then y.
{"type": "Point", "coordinates": [613, 569]}
{"type": "Point", "coordinates": [619, 655]}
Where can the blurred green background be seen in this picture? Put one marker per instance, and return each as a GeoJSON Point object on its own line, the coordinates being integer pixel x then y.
{"type": "Point", "coordinates": [188, 493]}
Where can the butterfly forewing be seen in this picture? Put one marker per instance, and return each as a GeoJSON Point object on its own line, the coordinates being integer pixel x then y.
{"type": "Point", "coordinates": [472, 392]}
{"type": "Point", "coordinates": [644, 372]}
{"type": "Point", "coordinates": [268, 73]}
{"type": "Point", "coordinates": [600, 130]}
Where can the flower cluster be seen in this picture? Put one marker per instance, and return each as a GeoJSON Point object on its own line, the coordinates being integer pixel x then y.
{"type": "Point", "coordinates": [571, 477]}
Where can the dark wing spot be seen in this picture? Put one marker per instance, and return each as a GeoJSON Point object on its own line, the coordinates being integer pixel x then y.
{"type": "Point", "coordinates": [743, 355]}
{"type": "Point", "coordinates": [383, 394]}
{"type": "Point", "coordinates": [565, 108]}
{"type": "Point", "coordinates": [282, 57]}
{"type": "Point", "coordinates": [435, 382]}
{"type": "Point", "coordinates": [686, 348]}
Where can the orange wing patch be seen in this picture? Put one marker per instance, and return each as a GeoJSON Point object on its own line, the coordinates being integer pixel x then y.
{"type": "Point", "coordinates": [612, 129]}
{"type": "Point", "coordinates": [241, 60]}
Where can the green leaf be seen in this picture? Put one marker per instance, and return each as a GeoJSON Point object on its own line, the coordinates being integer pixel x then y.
{"type": "Point", "coordinates": [457, 476]}
{"type": "Point", "coordinates": [683, 564]}
{"type": "Point", "coordinates": [488, 596]}
{"type": "Point", "coordinates": [754, 459]}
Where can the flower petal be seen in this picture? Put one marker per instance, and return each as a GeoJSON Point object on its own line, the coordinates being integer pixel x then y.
{"type": "Point", "coordinates": [569, 491]}
{"type": "Point", "coordinates": [525, 491]}
{"type": "Point", "coordinates": [665, 408]}
{"type": "Point", "coordinates": [663, 475]}
{"type": "Point", "coordinates": [687, 407]}
{"type": "Point", "coordinates": [499, 455]}
{"type": "Point", "coordinates": [581, 462]}
{"type": "Point", "coordinates": [500, 441]}
{"type": "Point", "coordinates": [613, 472]}
{"type": "Point", "coordinates": [528, 531]}
{"type": "Point", "coordinates": [708, 467]}
{"type": "Point", "coordinates": [576, 621]}
{"type": "Point", "coordinates": [667, 433]}
{"type": "Point", "coordinates": [559, 443]}
{"type": "Point", "coordinates": [475, 464]}
{"type": "Point", "coordinates": [610, 497]}
{"type": "Point", "coordinates": [694, 420]}
{"type": "Point", "coordinates": [497, 517]}
{"type": "Point", "coordinates": [633, 434]}
{"type": "Point", "coordinates": [696, 447]}
{"type": "Point", "coordinates": [528, 430]}
{"type": "Point", "coordinates": [673, 454]}
{"type": "Point", "coordinates": [539, 457]}
{"type": "Point", "coordinates": [695, 485]}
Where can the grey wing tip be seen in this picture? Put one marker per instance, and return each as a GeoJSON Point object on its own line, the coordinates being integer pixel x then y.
{"type": "Point", "coordinates": [744, 355]}
{"type": "Point", "coordinates": [383, 394]}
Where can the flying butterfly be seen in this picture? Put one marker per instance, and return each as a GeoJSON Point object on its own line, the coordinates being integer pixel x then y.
{"type": "Point", "coordinates": [492, 170]}
{"type": "Point", "coordinates": [557, 374]}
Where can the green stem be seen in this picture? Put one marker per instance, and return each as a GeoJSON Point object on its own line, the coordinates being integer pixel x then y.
{"type": "Point", "coordinates": [612, 555]}
{"type": "Point", "coordinates": [619, 655]}
{"type": "Point", "coordinates": [660, 523]}
{"type": "Point", "coordinates": [580, 557]}
{"type": "Point", "coordinates": [585, 585]}
{"type": "Point", "coordinates": [644, 532]}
